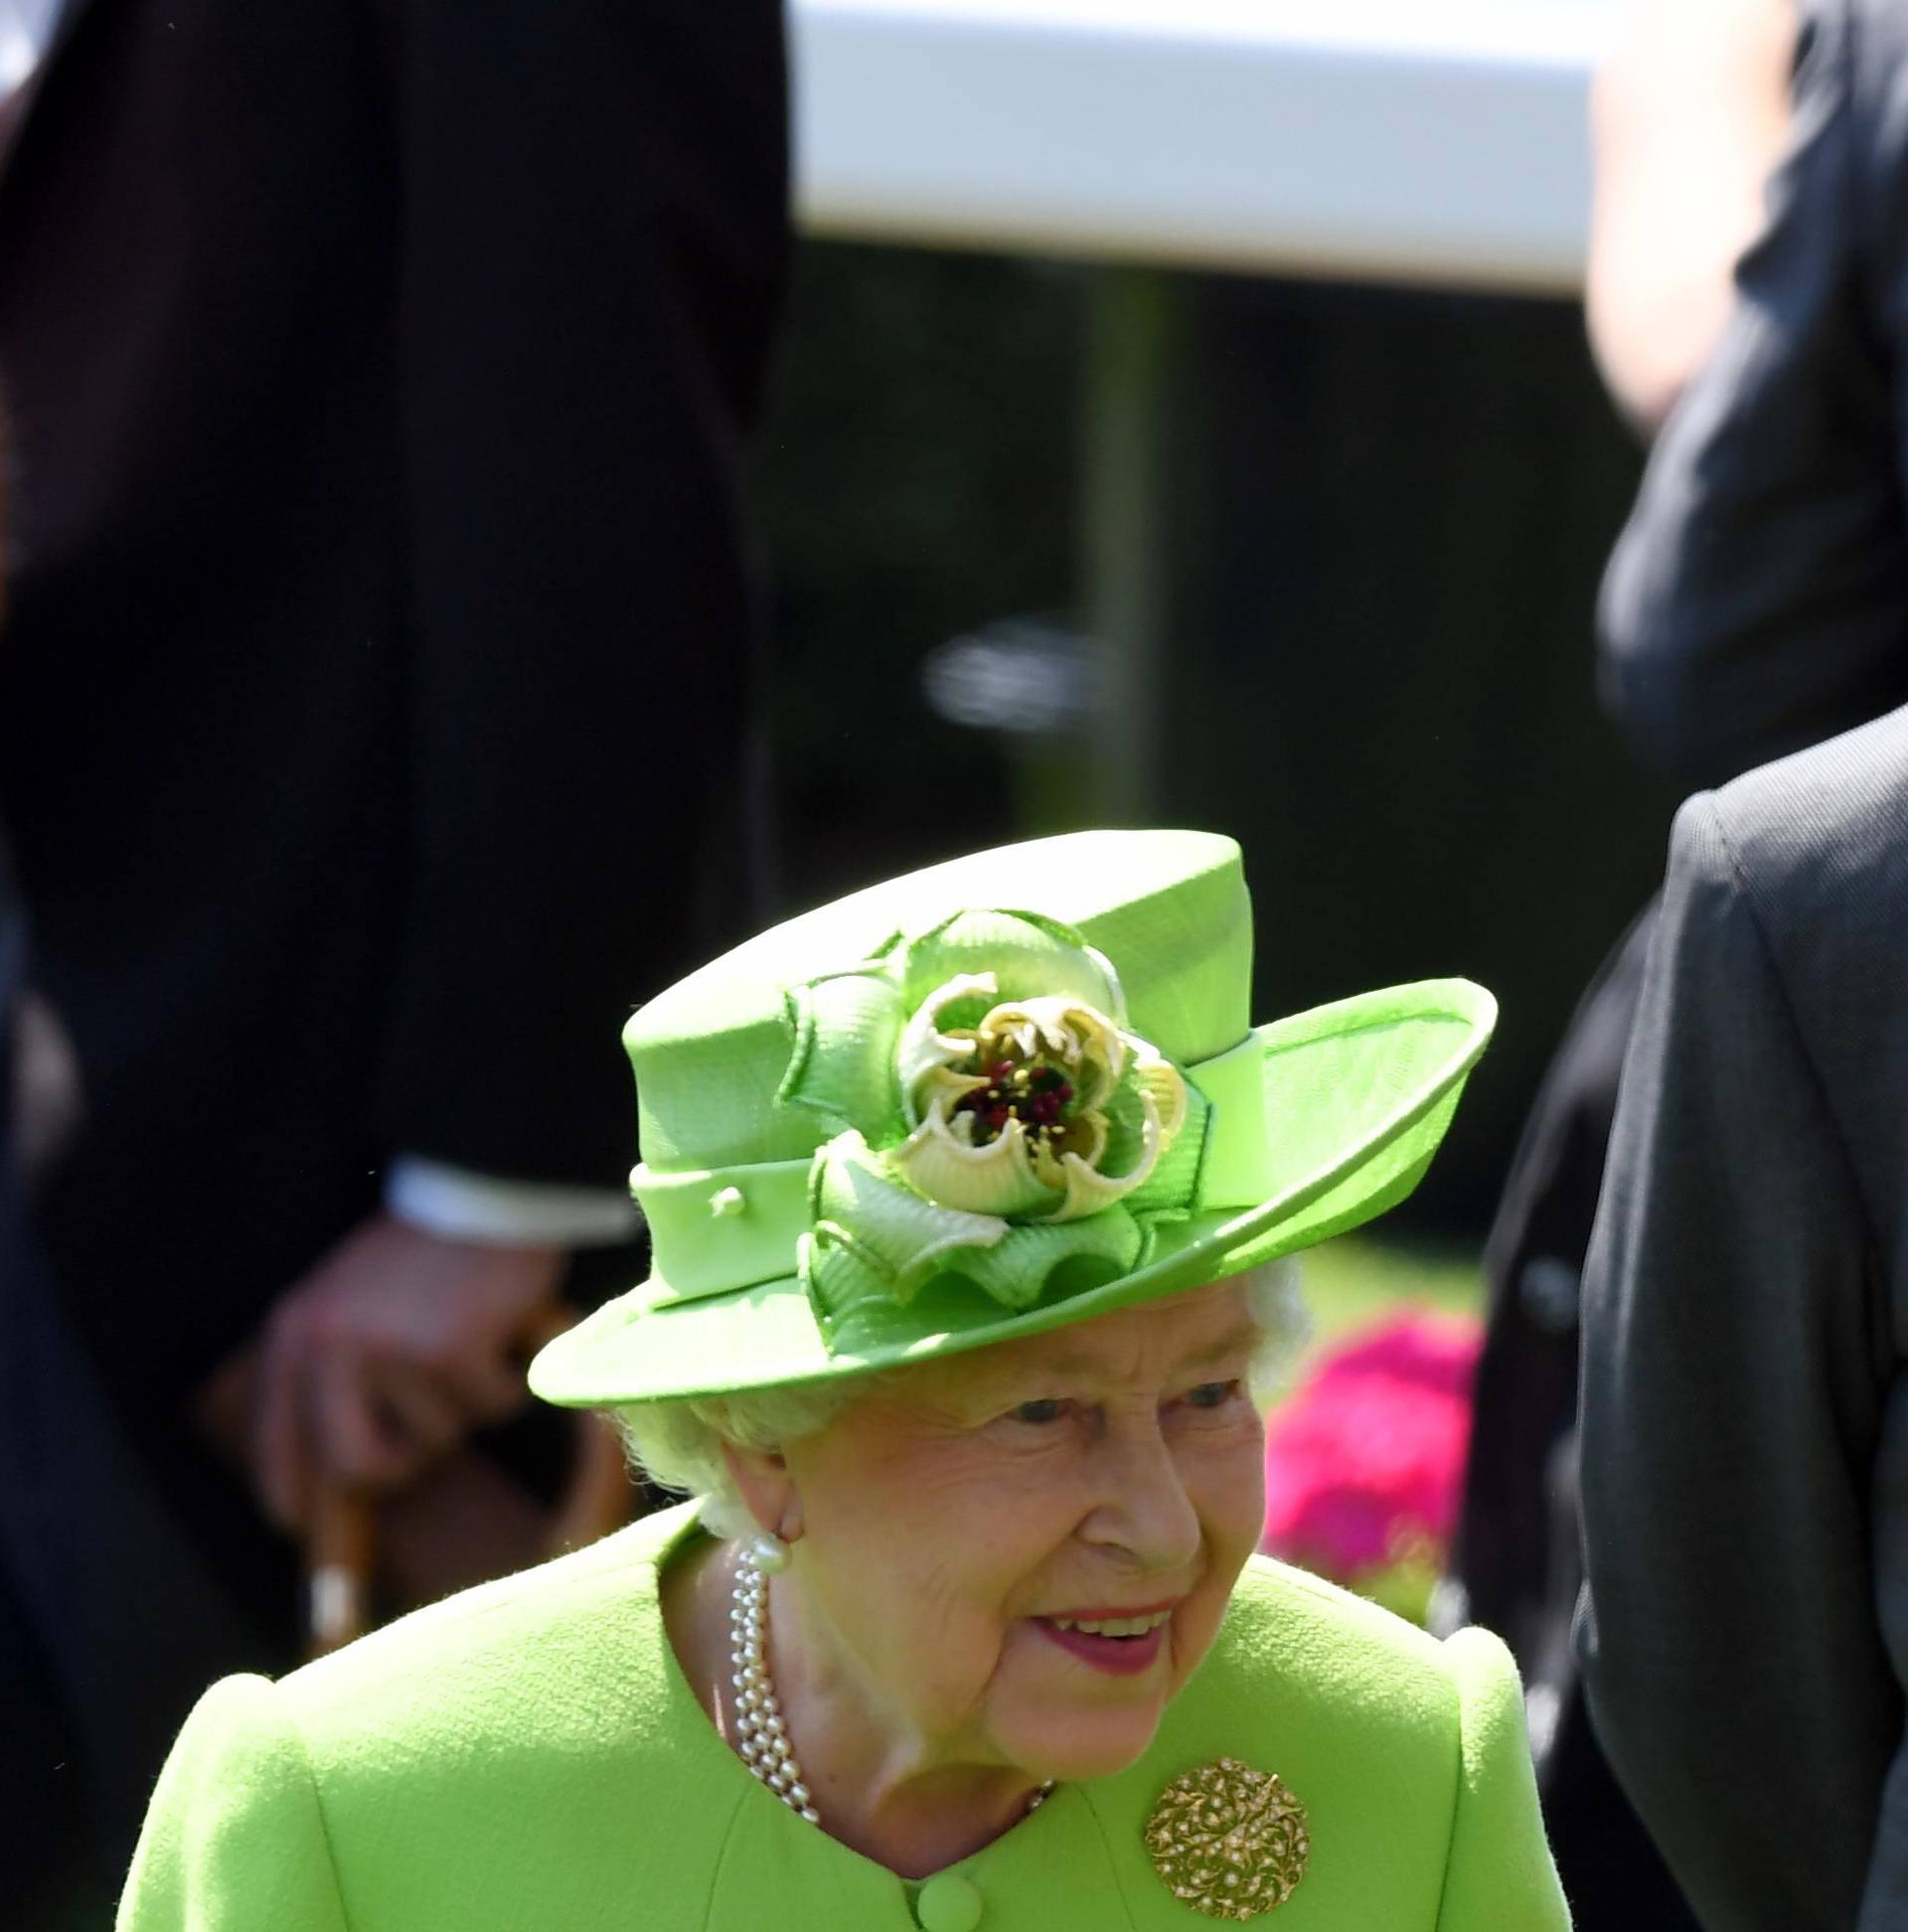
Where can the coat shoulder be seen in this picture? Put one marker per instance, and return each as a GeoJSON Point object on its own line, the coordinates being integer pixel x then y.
{"type": "Point", "coordinates": [1374, 1677]}
{"type": "Point", "coordinates": [1828, 826]}
{"type": "Point", "coordinates": [527, 1658]}
{"type": "Point", "coordinates": [524, 1753]}
{"type": "Point", "coordinates": [1384, 1736]}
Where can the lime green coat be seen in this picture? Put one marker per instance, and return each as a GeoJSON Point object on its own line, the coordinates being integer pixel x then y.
{"type": "Point", "coordinates": [528, 1758]}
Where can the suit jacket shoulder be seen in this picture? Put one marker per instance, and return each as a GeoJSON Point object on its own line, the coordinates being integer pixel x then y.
{"type": "Point", "coordinates": [1824, 830]}
{"type": "Point", "coordinates": [1814, 851]}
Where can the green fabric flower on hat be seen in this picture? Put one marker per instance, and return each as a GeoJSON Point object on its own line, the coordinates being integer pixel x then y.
{"type": "Point", "coordinates": [1041, 1107]}
{"type": "Point", "coordinates": [994, 1118]}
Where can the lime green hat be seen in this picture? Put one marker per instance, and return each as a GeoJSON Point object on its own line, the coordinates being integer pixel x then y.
{"type": "Point", "coordinates": [989, 1098]}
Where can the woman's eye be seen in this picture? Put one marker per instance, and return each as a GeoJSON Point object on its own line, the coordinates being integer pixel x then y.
{"type": "Point", "coordinates": [1211, 1395]}
{"type": "Point", "coordinates": [1047, 1409]}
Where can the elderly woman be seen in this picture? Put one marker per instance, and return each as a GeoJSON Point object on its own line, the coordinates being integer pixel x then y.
{"type": "Point", "coordinates": [966, 1195]}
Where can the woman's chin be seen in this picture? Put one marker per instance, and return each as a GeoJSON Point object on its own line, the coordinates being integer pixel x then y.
{"type": "Point", "coordinates": [1072, 1739]}
{"type": "Point", "coordinates": [1072, 1718]}
{"type": "Point", "coordinates": [1075, 1747]}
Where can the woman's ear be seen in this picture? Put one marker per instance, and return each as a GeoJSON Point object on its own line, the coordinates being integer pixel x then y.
{"type": "Point", "coordinates": [768, 1489]}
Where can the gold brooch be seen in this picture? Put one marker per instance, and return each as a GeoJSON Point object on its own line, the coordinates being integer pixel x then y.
{"type": "Point", "coordinates": [1229, 1841]}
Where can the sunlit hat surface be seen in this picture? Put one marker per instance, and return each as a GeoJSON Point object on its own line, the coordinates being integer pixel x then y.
{"type": "Point", "coordinates": [993, 1097]}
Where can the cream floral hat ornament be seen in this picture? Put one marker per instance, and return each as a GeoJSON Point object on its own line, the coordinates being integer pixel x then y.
{"type": "Point", "coordinates": [996, 1096]}
{"type": "Point", "coordinates": [994, 1116]}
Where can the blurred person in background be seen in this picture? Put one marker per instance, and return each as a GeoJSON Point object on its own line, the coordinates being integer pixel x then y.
{"type": "Point", "coordinates": [1741, 306]}
{"type": "Point", "coordinates": [381, 375]}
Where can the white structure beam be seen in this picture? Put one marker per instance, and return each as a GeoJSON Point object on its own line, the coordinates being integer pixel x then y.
{"type": "Point", "coordinates": [1403, 140]}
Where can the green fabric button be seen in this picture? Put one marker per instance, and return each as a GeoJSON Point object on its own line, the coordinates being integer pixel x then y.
{"type": "Point", "coordinates": [948, 1904]}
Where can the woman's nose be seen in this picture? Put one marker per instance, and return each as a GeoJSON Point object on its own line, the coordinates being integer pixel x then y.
{"type": "Point", "coordinates": [1145, 1510]}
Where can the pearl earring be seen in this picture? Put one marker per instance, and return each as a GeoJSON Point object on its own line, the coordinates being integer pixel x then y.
{"type": "Point", "coordinates": [768, 1553]}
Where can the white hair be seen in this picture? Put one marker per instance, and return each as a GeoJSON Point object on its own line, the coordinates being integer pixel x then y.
{"type": "Point", "coordinates": [678, 1444]}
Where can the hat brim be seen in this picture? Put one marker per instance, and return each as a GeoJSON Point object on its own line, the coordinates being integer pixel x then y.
{"type": "Point", "coordinates": [1358, 1094]}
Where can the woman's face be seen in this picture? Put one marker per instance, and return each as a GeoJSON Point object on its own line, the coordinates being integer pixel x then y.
{"type": "Point", "coordinates": [965, 1527]}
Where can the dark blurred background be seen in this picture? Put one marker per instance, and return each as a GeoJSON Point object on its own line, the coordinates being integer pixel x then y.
{"type": "Point", "coordinates": [1377, 518]}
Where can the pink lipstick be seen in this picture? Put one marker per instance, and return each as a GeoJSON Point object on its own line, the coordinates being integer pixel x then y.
{"type": "Point", "coordinates": [1122, 1652]}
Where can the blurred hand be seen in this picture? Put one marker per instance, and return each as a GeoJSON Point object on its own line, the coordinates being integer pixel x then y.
{"type": "Point", "coordinates": [1689, 115]}
{"type": "Point", "coordinates": [390, 1352]}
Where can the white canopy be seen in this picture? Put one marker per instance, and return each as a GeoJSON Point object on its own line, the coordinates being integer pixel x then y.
{"type": "Point", "coordinates": [1425, 141]}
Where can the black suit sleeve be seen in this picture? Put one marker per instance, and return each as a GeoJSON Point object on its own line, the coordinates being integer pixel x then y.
{"type": "Point", "coordinates": [592, 248]}
{"type": "Point", "coordinates": [1732, 1389]}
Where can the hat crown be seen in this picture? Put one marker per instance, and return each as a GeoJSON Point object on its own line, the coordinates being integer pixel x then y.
{"type": "Point", "coordinates": [1169, 909]}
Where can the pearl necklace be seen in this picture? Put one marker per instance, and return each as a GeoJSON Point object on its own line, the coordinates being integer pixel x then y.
{"type": "Point", "coordinates": [761, 1734]}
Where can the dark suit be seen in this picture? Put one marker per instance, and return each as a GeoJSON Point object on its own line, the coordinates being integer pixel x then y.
{"type": "Point", "coordinates": [1756, 602]}
{"type": "Point", "coordinates": [1745, 1412]}
{"type": "Point", "coordinates": [376, 693]}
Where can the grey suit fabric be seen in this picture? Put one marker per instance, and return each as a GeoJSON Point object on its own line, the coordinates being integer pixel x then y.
{"type": "Point", "coordinates": [1745, 1415]}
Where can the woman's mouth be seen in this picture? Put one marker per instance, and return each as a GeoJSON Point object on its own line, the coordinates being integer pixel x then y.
{"type": "Point", "coordinates": [1121, 1645]}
